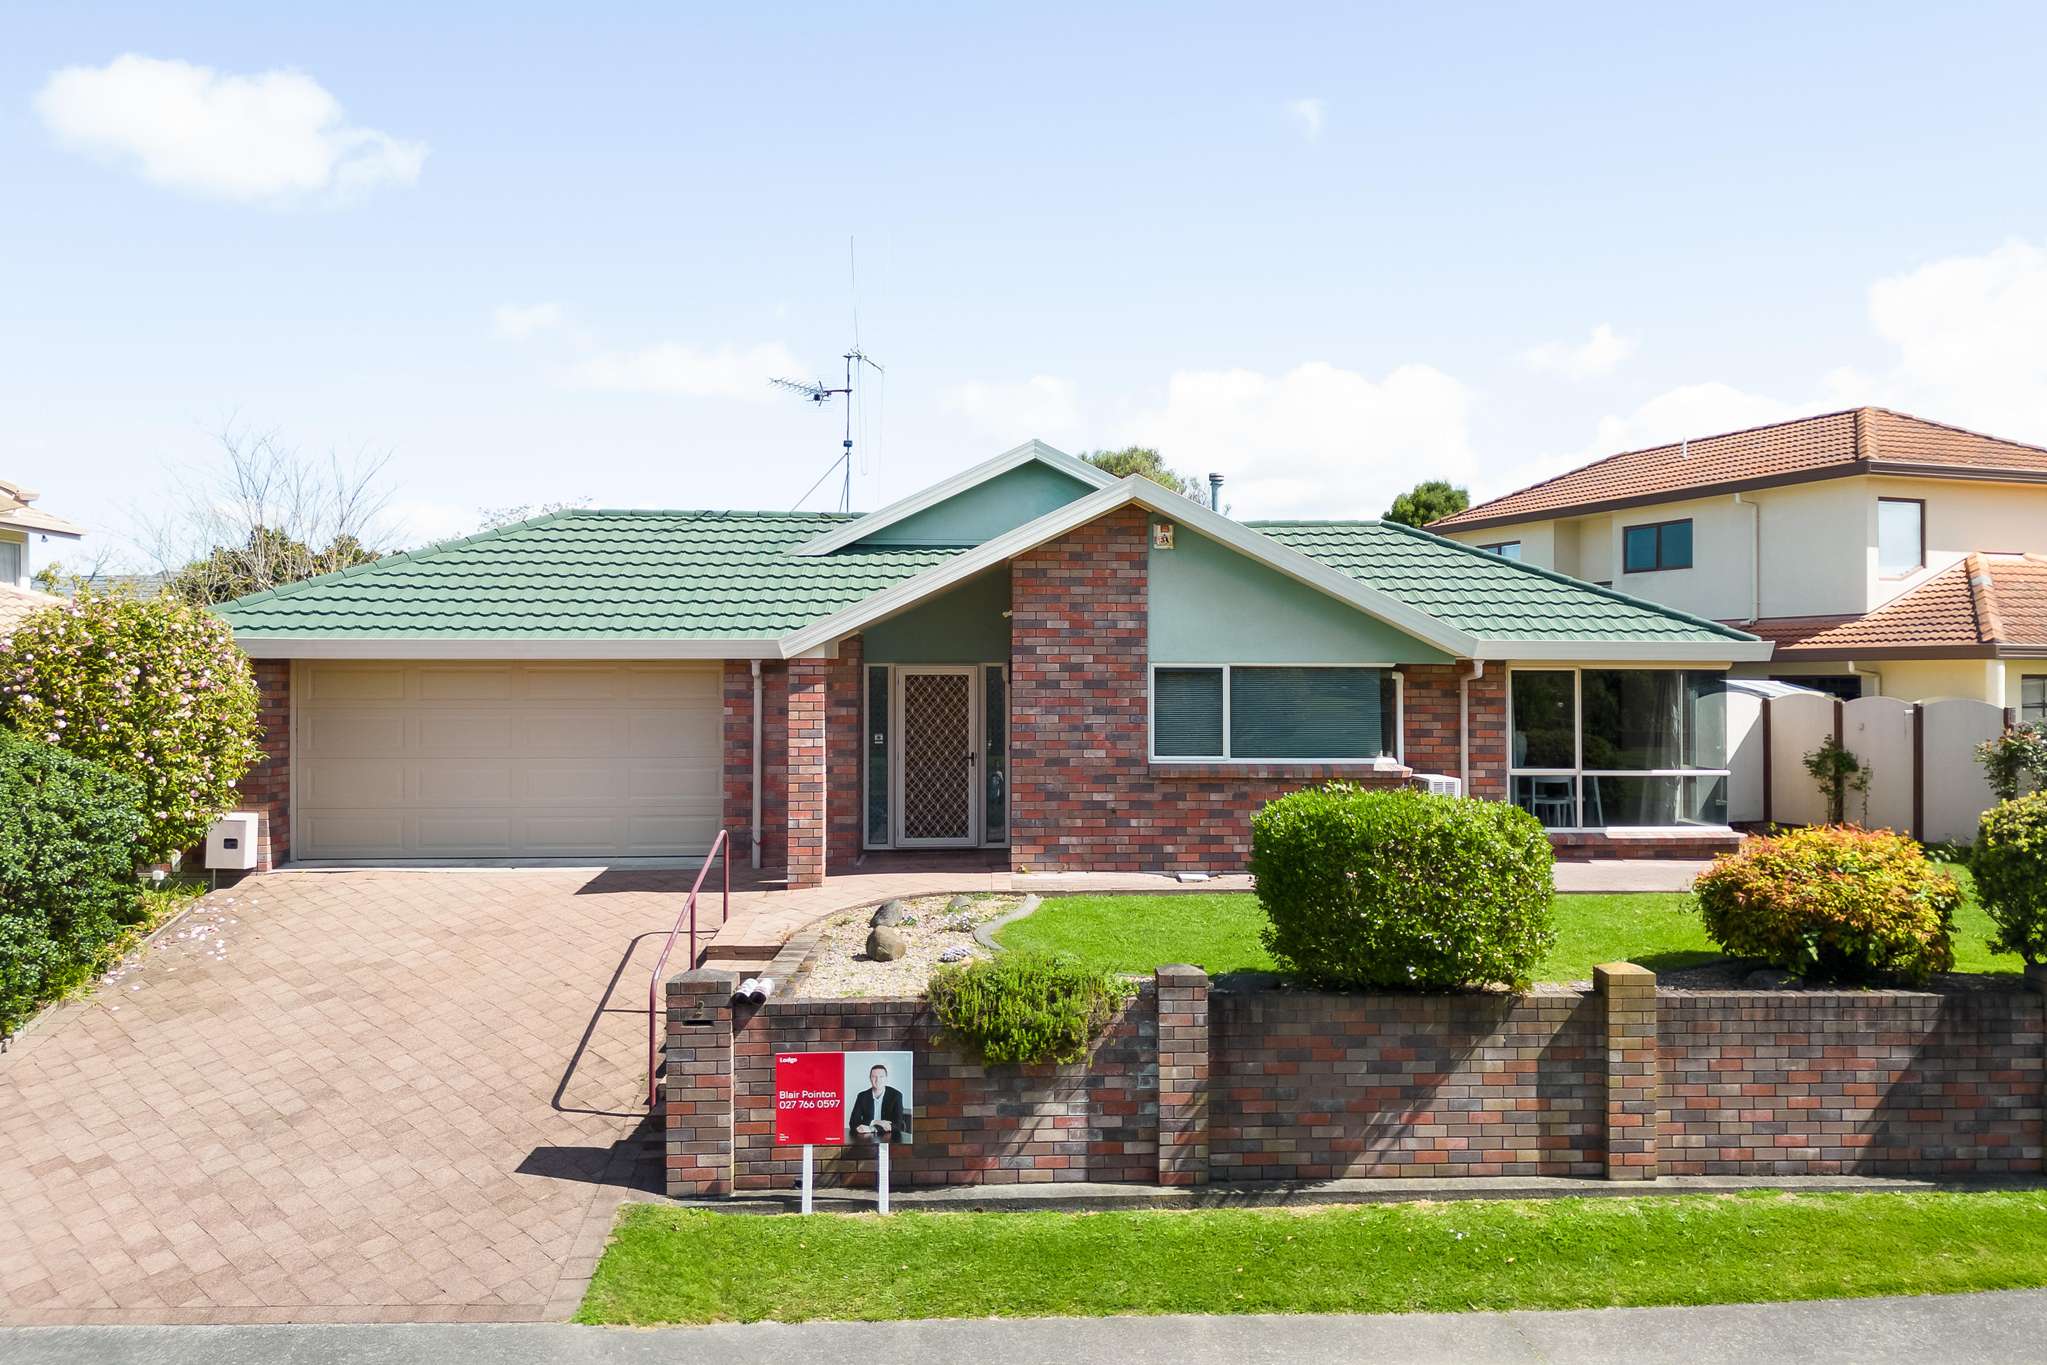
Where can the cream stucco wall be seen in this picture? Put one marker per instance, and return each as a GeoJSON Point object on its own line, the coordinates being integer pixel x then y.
{"type": "Point", "coordinates": [1818, 543]}
{"type": "Point", "coordinates": [1930, 679]}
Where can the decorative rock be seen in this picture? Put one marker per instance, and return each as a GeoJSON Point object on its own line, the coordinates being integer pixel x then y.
{"type": "Point", "coordinates": [1770, 979]}
{"type": "Point", "coordinates": [885, 944]}
{"type": "Point", "coordinates": [954, 954]}
{"type": "Point", "coordinates": [959, 903]}
{"type": "Point", "coordinates": [891, 912]}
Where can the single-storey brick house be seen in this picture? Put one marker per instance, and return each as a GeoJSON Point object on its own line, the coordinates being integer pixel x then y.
{"type": "Point", "coordinates": [1091, 672]}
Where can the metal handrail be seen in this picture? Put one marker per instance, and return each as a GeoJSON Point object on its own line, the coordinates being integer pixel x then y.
{"type": "Point", "coordinates": [655, 1012]}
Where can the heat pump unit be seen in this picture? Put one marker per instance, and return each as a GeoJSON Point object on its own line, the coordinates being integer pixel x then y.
{"type": "Point", "coordinates": [1436, 784]}
{"type": "Point", "coordinates": [231, 843]}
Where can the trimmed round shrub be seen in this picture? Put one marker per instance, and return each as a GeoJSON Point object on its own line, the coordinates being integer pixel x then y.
{"type": "Point", "coordinates": [2010, 863]}
{"type": "Point", "coordinates": [1833, 903]}
{"type": "Point", "coordinates": [150, 687]}
{"type": "Point", "coordinates": [1020, 1008]}
{"type": "Point", "coordinates": [1402, 889]}
{"type": "Point", "coordinates": [67, 871]}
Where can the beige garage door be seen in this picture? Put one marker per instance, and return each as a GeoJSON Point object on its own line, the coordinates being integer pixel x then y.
{"type": "Point", "coordinates": [505, 760]}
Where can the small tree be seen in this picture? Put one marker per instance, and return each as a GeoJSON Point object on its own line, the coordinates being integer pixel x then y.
{"type": "Point", "coordinates": [266, 559]}
{"type": "Point", "coordinates": [152, 688]}
{"type": "Point", "coordinates": [1430, 500]}
{"type": "Point", "coordinates": [1148, 462]}
{"type": "Point", "coordinates": [1838, 771]}
{"type": "Point", "coordinates": [2013, 759]}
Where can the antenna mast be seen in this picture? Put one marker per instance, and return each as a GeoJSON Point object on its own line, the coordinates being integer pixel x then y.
{"type": "Point", "coordinates": [821, 393]}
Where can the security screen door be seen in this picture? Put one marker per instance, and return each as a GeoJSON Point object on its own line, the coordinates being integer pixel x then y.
{"type": "Point", "coordinates": [935, 774]}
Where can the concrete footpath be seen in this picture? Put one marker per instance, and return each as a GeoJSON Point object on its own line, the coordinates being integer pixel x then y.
{"type": "Point", "coordinates": [1961, 1328]}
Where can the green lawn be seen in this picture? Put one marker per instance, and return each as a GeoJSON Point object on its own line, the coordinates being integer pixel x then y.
{"type": "Point", "coordinates": [680, 1265]}
{"type": "Point", "coordinates": [1219, 933]}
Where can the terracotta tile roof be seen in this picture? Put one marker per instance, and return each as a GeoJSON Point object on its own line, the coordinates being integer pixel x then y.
{"type": "Point", "coordinates": [1984, 606]}
{"type": "Point", "coordinates": [1831, 445]}
{"type": "Point", "coordinates": [16, 603]}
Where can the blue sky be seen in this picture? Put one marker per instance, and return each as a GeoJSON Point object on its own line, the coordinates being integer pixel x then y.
{"type": "Point", "coordinates": [541, 256]}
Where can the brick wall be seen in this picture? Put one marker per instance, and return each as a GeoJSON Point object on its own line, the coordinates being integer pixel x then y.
{"type": "Point", "coordinates": [1191, 1084]}
{"type": "Point", "coordinates": [1082, 791]}
{"type": "Point", "coordinates": [1320, 1087]}
{"type": "Point", "coordinates": [1431, 720]}
{"type": "Point", "coordinates": [266, 788]}
{"type": "Point", "coordinates": [1878, 1083]}
{"type": "Point", "coordinates": [970, 1124]}
{"type": "Point", "coordinates": [739, 760]}
{"type": "Point", "coordinates": [844, 727]}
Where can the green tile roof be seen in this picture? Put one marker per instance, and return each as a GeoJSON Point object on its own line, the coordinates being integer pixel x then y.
{"type": "Point", "coordinates": [602, 574]}
{"type": "Point", "coordinates": [1477, 591]}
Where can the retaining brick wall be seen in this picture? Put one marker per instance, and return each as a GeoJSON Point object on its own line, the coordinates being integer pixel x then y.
{"type": "Point", "coordinates": [970, 1124]}
{"type": "Point", "coordinates": [1886, 1083]}
{"type": "Point", "coordinates": [1323, 1087]}
{"type": "Point", "coordinates": [266, 788]}
{"type": "Point", "coordinates": [1191, 1084]}
{"type": "Point", "coordinates": [1082, 791]}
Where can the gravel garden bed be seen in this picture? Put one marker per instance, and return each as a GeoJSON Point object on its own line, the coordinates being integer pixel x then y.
{"type": "Point", "coordinates": [934, 929]}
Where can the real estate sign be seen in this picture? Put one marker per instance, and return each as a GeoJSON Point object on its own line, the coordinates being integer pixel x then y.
{"type": "Point", "coordinates": [810, 1103]}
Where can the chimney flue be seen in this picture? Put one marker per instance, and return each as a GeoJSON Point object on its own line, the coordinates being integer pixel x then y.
{"type": "Point", "coordinates": [1215, 492]}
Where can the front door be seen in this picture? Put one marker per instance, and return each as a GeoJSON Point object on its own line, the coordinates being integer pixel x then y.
{"type": "Point", "coordinates": [935, 758]}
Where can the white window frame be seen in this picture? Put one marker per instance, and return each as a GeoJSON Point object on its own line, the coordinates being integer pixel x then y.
{"type": "Point", "coordinates": [1500, 548]}
{"type": "Point", "coordinates": [20, 577]}
{"type": "Point", "coordinates": [2039, 706]}
{"type": "Point", "coordinates": [1578, 772]}
{"type": "Point", "coordinates": [1151, 746]}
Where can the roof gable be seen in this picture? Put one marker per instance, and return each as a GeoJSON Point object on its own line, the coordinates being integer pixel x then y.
{"type": "Point", "coordinates": [969, 508]}
{"type": "Point", "coordinates": [1831, 445]}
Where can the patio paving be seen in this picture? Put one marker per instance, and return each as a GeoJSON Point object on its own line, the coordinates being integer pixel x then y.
{"type": "Point", "coordinates": [340, 1096]}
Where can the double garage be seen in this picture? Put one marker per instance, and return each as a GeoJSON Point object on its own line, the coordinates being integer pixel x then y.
{"type": "Point", "coordinates": [418, 760]}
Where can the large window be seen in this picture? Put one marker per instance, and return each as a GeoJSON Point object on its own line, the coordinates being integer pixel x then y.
{"type": "Point", "coordinates": [1595, 748]}
{"type": "Point", "coordinates": [1900, 536]}
{"type": "Point", "coordinates": [10, 562]}
{"type": "Point", "coordinates": [1661, 545]}
{"type": "Point", "coordinates": [1265, 713]}
{"type": "Point", "coordinates": [2033, 698]}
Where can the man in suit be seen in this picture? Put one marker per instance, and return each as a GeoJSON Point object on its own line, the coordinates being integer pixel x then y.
{"type": "Point", "coordinates": [878, 1110]}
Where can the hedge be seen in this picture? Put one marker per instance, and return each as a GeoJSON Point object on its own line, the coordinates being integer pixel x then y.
{"type": "Point", "coordinates": [1022, 1008]}
{"type": "Point", "coordinates": [68, 832]}
{"type": "Point", "coordinates": [2010, 863]}
{"type": "Point", "coordinates": [1377, 889]}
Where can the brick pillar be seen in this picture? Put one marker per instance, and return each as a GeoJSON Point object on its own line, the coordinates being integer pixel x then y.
{"type": "Point", "coordinates": [1183, 1076]}
{"type": "Point", "coordinates": [1631, 1067]}
{"type": "Point", "coordinates": [266, 788]}
{"type": "Point", "coordinates": [696, 1089]}
{"type": "Point", "coordinates": [808, 816]}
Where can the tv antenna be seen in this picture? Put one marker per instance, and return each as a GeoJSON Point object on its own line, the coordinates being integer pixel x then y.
{"type": "Point", "coordinates": [821, 393]}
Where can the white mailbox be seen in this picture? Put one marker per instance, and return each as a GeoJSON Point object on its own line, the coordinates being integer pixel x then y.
{"type": "Point", "coordinates": [231, 843]}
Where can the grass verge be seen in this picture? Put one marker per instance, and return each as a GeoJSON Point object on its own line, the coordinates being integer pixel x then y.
{"type": "Point", "coordinates": [677, 1265]}
{"type": "Point", "coordinates": [1219, 933]}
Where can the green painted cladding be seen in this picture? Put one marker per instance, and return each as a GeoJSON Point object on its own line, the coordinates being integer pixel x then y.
{"type": "Point", "coordinates": [1211, 604]}
{"type": "Point", "coordinates": [986, 510]}
{"type": "Point", "coordinates": [963, 626]}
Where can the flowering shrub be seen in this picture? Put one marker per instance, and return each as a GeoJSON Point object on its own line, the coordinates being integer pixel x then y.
{"type": "Point", "coordinates": [1833, 903]}
{"type": "Point", "coordinates": [1402, 889]}
{"type": "Point", "coordinates": [151, 688]}
{"type": "Point", "coordinates": [67, 871]}
{"type": "Point", "coordinates": [2013, 759]}
{"type": "Point", "coordinates": [2010, 863]}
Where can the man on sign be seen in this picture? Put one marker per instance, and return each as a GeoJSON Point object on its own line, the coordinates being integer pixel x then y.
{"type": "Point", "coordinates": [877, 1112]}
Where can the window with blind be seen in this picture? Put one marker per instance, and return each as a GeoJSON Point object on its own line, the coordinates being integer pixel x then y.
{"type": "Point", "coordinates": [1260, 712]}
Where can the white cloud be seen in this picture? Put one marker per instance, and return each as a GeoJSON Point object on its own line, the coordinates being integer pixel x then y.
{"type": "Point", "coordinates": [688, 371]}
{"type": "Point", "coordinates": [1310, 114]}
{"type": "Point", "coordinates": [275, 137]}
{"type": "Point", "coordinates": [1317, 441]}
{"type": "Point", "coordinates": [1971, 339]}
{"type": "Point", "coordinates": [1043, 406]}
{"type": "Point", "coordinates": [516, 322]}
{"type": "Point", "coordinates": [1599, 354]}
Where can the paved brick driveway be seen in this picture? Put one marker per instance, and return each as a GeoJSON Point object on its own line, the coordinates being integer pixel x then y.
{"type": "Point", "coordinates": [339, 1096]}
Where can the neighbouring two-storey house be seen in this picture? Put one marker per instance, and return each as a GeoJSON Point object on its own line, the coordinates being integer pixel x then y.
{"type": "Point", "coordinates": [21, 528]}
{"type": "Point", "coordinates": [1883, 553]}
